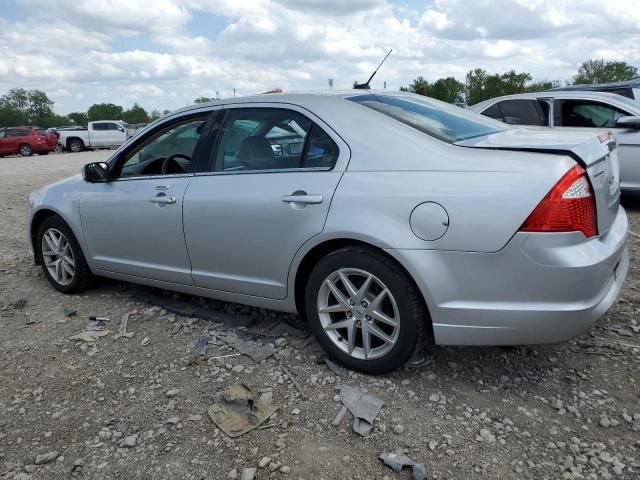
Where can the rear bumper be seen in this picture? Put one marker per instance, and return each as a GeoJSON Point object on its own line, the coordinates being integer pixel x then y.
{"type": "Point", "coordinates": [540, 288]}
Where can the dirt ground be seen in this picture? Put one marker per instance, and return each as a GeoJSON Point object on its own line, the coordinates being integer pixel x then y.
{"type": "Point", "coordinates": [129, 408]}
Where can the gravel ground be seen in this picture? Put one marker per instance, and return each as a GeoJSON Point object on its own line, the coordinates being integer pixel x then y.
{"type": "Point", "coordinates": [137, 407]}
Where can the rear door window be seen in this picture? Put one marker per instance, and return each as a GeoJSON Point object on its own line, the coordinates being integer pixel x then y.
{"type": "Point", "coordinates": [100, 126]}
{"type": "Point", "coordinates": [523, 112]}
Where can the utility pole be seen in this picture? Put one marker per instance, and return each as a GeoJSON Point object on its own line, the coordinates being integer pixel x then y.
{"type": "Point", "coordinates": [234, 93]}
{"type": "Point", "coordinates": [331, 83]}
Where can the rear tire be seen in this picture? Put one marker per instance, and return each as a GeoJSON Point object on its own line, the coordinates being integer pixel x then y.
{"type": "Point", "coordinates": [382, 304]}
{"type": "Point", "coordinates": [76, 146]}
{"type": "Point", "coordinates": [25, 150]}
{"type": "Point", "coordinates": [61, 257]}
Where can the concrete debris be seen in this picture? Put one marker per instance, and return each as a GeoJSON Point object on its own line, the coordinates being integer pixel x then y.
{"type": "Point", "coordinates": [90, 335]}
{"type": "Point", "coordinates": [69, 312]}
{"type": "Point", "coordinates": [122, 330]}
{"type": "Point", "coordinates": [248, 473]}
{"type": "Point", "coordinates": [621, 330]}
{"type": "Point", "coordinates": [46, 458]}
{"type": "Point", "coordinates": [331, 365]}
{"type": "Point", "coordinates": [296, 384]}
{"type": "Point", "coordinates": [200, 347]}
{"type": "Point", "coordinates": [238, 411]}
{"type": "Point", "coordinates": [398, 461]}
{"type": "Point", "coordinates": [363, 407]}
{"type": "Point", "coordinates": [256, 352]}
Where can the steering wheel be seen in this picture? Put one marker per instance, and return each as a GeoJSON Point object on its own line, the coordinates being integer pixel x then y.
{"type": "Point", "coordinates": [172, 158]}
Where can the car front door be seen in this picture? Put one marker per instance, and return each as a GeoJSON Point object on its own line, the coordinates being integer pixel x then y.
{"type": "Point", "coordinates": [133, 224]}
{"type": "Point", "coordinates": [260, 198]}
{"type": "Point", "coordinates": [603, 116]}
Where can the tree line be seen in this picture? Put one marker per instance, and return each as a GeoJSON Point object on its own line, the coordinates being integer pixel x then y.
{"type": "Point", "coordinates": [20, 107]}
{"type": "Point", "coordinates": [480, 85]}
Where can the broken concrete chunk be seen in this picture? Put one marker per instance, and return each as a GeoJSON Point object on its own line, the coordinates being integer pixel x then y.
{"type": "Point", "coordinates": [363, 407]}
{"type": "Point", "coordinates": [248, 474]}
{"type": "Point", "coordinates": [398, 461]}
{"type": "Point", "coordinates": [238, 411]}
{"type": "Point", "coordinates": [46, 458]}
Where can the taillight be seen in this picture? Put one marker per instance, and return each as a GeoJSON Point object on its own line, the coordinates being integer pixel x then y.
{"type": "Point", "coordinates": [568, 207]}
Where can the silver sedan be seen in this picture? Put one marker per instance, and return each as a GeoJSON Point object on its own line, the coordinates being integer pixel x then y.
{"type": "Point", "coordinates": [389, 221]}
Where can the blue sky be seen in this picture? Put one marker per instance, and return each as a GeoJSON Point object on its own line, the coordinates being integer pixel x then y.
{"type": "Point", "coordinates": [122, 51]}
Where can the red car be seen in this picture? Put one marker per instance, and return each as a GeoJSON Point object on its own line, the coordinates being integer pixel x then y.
{"type": "Point", "coordinates": [26, 141]}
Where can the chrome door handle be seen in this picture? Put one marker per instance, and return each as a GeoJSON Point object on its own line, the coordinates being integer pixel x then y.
{"type": "Point", "coordinates": [162, 199]}
{"type": "Point", "coordinates": [303, 199]}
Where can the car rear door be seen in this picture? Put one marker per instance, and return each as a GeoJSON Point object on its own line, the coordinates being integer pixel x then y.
{"type": "Point", "coordinates": [256, 202]}
{"type": "Point", "coordinates": [133, 224]}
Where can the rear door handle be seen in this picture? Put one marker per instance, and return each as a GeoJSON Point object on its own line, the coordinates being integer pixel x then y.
{"type": "Point", "coordinates": [303, 199]}
{"type": "Point", "coordinates": [162, 199]}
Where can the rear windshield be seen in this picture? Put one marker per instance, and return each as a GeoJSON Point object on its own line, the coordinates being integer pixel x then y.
{"type": "Point", "coordinates": [438, 119]}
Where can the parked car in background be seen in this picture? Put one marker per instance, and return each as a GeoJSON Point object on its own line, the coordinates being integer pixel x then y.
{"type": "Point", "coordinates": [569, 110]}
{"type": "Point", "coordinates": [26, 141]}
{"type": "Point", "coordinates": [399, 220]}
{"type": "Point", "coordinates": [629, 88]}
{"type": "Point", "coordinates": [99, 134]}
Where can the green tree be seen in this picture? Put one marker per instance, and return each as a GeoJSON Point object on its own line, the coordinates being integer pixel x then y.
{"type": "Point", "coordinates": [166, 111]}
{"type": "Point", "coordinates": [541, 86]}
{"type": "Point", "coordinates": [419, 86]}
{"type": "Point", "coordinates": [104, 111]}
{"type": "Point", "coordinates": [447, 89]}
{"type": "Point", "coordinates": [203, 100]}
{"type": "Point", "coordinates": [154, 115]}
{"type": "Point", "coordinates": [25, 107]}
{"type": "Point", "coordinates": [135, 114]}
{"type": "Point", "coordinates": [55, 120]}
{"type": "Point", "coordinates": [79, 118]}
{"type": "Point", "coordinates": [475, 86]}
{"type": "Point", "coordinates": [601, 71]}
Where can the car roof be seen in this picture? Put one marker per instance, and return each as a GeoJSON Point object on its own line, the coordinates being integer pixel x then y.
{"type": "Point", "coordinates": [302, 98]}
{"type": "Point", "coordinates": [567, 94]}
{"type": "Point", "coordinates": [633, 83]}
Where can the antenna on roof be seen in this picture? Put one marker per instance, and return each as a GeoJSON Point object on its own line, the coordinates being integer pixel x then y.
{"type": "Point", "coordinates": [365, 85]}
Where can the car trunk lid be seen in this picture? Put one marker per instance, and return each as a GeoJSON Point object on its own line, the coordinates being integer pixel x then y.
{"type": "Point", "coordinates": [596, 153]}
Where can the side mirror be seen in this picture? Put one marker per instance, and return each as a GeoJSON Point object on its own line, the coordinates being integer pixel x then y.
{"type": "Point", "coordinates": [97, 172]}
{"type": "Point", "coordinates": [628, 122]}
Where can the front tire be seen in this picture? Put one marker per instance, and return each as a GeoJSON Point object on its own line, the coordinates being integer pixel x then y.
{"type": "Point", "coordinates": [25, 150]}
{"type": "Point", "coordinates": [61, 257]}
{"type": "Point", "coordinates": [365, 310]}
{"type": "Point", "coordinates": [76, 146]}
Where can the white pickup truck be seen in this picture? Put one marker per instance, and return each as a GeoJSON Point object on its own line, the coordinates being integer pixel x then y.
{"type": "Point", "coordinates": [99, 134]}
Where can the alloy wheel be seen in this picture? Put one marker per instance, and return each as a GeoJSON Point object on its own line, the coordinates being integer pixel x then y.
{"type": "Point", "coordinates": [25, 150]}
{"type": "Point", "coordinates": [358, 313]}
{"type": "Point", "coordinates": [58, 256]}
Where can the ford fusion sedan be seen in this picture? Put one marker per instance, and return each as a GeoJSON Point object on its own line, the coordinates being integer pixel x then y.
{"type": "Point", "coordinates": [396, 221]}
{"type": "Point", "coordinates": [564, 110]}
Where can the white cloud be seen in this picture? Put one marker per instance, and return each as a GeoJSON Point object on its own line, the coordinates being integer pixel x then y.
{"type": "Point", "coordinates": [121, 51]}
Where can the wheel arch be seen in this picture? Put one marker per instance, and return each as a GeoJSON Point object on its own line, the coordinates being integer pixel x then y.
{"type": "Point", "coordinates": [314, 254]}
{"type": "Point", "coordinates": [68, 141]}
{"type": "Point", "coordinates": [37, 219]}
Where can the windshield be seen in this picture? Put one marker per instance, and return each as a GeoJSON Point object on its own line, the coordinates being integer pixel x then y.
{"type": "Point", "coordinates": [438, 119]}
